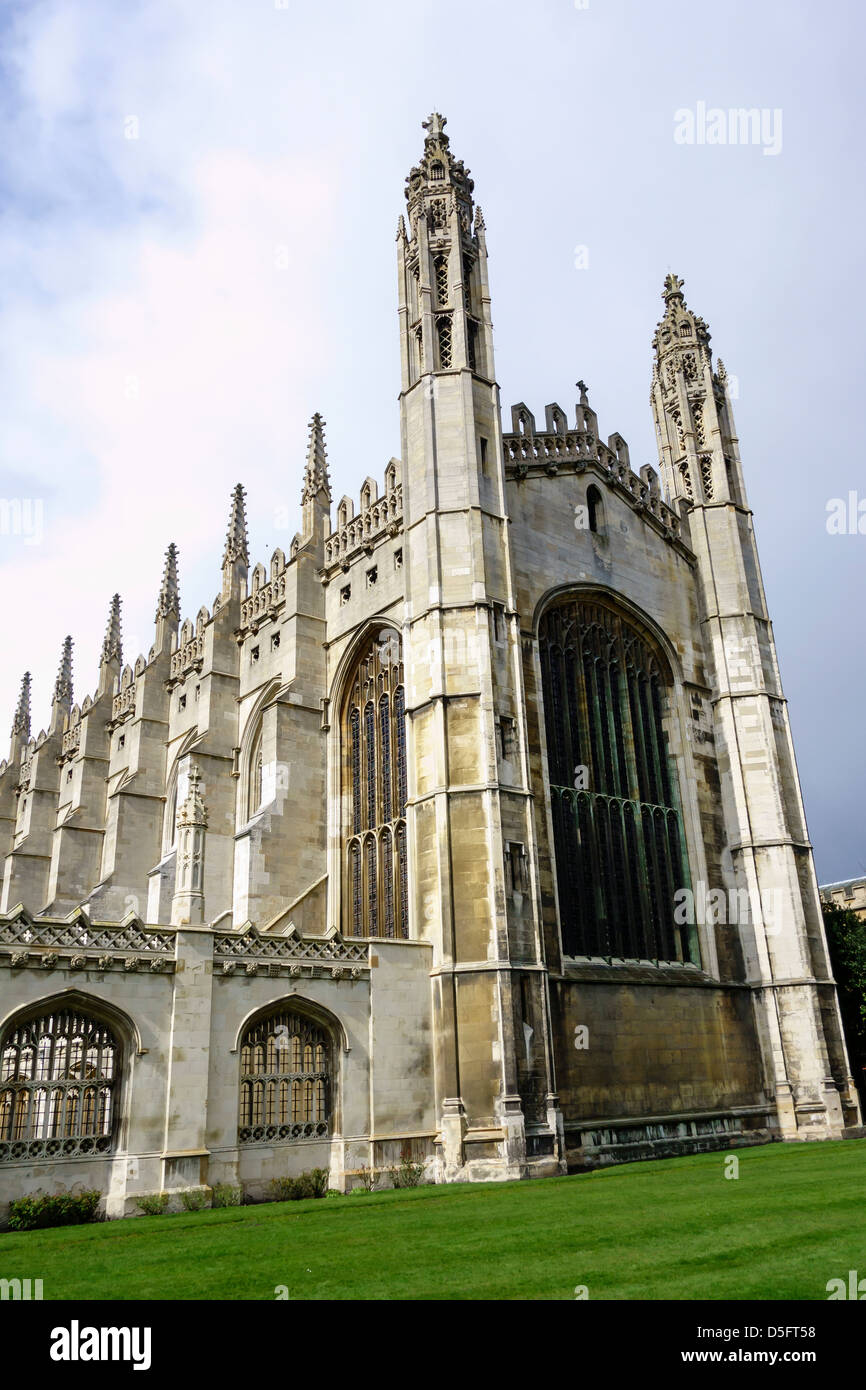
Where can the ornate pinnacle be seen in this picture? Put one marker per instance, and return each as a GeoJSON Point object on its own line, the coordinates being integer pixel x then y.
{"type": "Point", "coordinates": [21, 722]}
{"type": "Point", "coordinates": [582, 388]}
{"type": "Point", "coordinates": [401, 228]}
{"type": "Point", "coordinates": [112, 649]}
{"type": "Point", "coordinates": [435, 127]}
{"type": "Point", "coordinates": [316, 478]}
{"type": "Point", "coordinates": [192, 810]}
{"type": "Point", "coordinates": [480, 224]}
{"type": "Point", "coordinates": [63, 684]}
{"type": "Point", "coordinates": [673, 288]}
{"type": "Point", "coordinates": [722, 371]}
{"type": "Point", "coordinates": [169, 594]}
{"type": "Point", "coordinates": [236, 539]}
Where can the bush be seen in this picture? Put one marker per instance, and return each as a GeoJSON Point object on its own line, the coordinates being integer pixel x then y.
{"type": "Point", "coordinates": [194, 1199]}
{"type": "Point", "coordinates": [368, 1180]}
{"type": "Point", "coordinates": [409, 1174]}
{"type": "Point", "coordinates": [64, 1209]}
{"type": "Point", "coordinates": [153, 1203]}
{"type": "Point", "coordinates": [312, 1184]}
{"type": "Point", "coordinates": [225, 1195]}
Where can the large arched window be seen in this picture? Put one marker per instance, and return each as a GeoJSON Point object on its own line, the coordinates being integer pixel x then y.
{"type": "Point", "coordinates": [618, 833]}
{"type": "Point", "coordinates": [374, 792]}
{"type": "Point", "coordinates": [285, 1080]}
{"type": "Point", "coordinates": [58, 1074]}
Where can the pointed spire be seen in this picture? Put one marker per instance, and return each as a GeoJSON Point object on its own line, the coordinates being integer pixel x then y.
{"type": "Point", "coordinates": [169, 593]}
{"type": "Point", "coordinates": [316, 478]}
{"type": "Point", "coordinates": [236, 539]}
{"type": "Point", "coordinates": [111, 647]}
{"type": "Point", "coordinates": [21, 722]}
{"type": "Point", "coordinates": [401, 228]}
{"type": "Point", "coordinates": [480, 224]}
{"type": "Point", "coordinates": [63, 684]}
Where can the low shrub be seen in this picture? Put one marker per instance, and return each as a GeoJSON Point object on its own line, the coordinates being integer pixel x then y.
{"type": "Point", "coordinates": [153, 1203]}
{"type": "Point", "coordinates": [194, 1199]}
{"type": "Point", "coordinates": [408, 1174]}
{"type": "Point", "coordinates": [62, 1209]}
{"type": "Point", "coordinates": [225, 1195]}
{"type": "Point", "coordinates": [311, 1184]}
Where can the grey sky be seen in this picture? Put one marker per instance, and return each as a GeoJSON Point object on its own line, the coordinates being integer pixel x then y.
{"type": "Point", "coordinates": [177, 304]}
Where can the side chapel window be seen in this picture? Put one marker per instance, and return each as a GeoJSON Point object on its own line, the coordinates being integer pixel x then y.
{"type": "Point", "coordinates": [58, 1074]}
{"type": "Point", "coordinates": [374, 797]}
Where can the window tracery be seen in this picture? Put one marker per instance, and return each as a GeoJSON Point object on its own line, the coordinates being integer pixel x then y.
{"type": "Point", "coordinates": [375, 789]}
{"type": "Point", "coordinates": [618, 836]}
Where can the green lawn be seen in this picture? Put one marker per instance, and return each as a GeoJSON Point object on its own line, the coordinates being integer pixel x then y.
{"type": "Point", "coordinates": [671, 1229]}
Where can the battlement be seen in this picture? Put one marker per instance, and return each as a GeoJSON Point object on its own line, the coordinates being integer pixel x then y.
{"type": "Point", "coordinates": [558, 447]}
{"type": "Point", "coordinates": [377, 516]}
{"type": "Point", "coordinates": [267, 595]}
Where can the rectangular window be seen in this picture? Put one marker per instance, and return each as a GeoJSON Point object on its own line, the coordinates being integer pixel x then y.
{"type": "Point", "coordinates": [483, 447]}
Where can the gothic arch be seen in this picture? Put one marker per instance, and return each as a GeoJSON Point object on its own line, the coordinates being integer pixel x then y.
{"type": "Point", "coordinates": [371, 785]}
{"type": "Point", "coordinates": [67, 1063]}
{"type": "Point", "coordinates": [619, 838]}
{"type": "Point", "coordinates": [250, 757]}
{"type": "Point", "coordinates": [288, 1077]}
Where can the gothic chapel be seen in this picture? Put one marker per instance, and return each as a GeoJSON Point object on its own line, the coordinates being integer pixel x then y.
{"type": "Point", "coordinates": [404, 847]}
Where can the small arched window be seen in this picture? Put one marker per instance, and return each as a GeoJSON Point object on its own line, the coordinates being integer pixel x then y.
{"type": "Point", "coordinates": [254, 775]}
{"type": "Point", "coordinates": [285, 1080]}
{"type": "Point", "coordinates": [437, 171]}
{"type": "Point", "coordinates": [440, 276]}
{"type": "Point", "coordinates": [595, 508]}
{"type": "Point", "coordinates": [58, 1077]}
{"type": "Point", "coordinates": [169, 839]}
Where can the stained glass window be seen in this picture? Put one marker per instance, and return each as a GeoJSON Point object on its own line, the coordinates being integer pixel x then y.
{"type": "Point", "coordinates": [617, 824]}
{"type": "Point", "coordinates": [57, 1078]}
{"type": "Point", "coordinates": [374, 730]}
{"type": "Point", "coordinates": [285, 1080]}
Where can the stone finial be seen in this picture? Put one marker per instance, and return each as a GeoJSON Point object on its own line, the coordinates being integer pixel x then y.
{"type": "Point", "coordinates": [721, 371]}
{"type": "Point", "coordinates": [169, 593]}
{"type": "Point", "coordinates": [582, 388]}
{"type": "Point", "coordinates": [673, 288]}
{"type": "Point", "coordinates": [401, 228]}
{"type": "Point", "coordinates": [237, 547]}
{"type": "Point", "coordinates": [435, 126]}
{"type": "Point", "coordinates": [316, 478]}
{"type": "Point", "coordinates": [112, 648]}
{"type": "Point", "coordinates": [63, 684]}
{"type": "Point", "coordinates": [480, 224]}
{"type": "Point", "coordinates": [21, 722]}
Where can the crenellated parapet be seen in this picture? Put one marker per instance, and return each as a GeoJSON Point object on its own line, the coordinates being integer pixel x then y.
{"type": "Point", "coordinates": [560, 448]}
{"type": "Point", "coordinates": [377, 517]}
{"type": "Point", "coordinates": [267, 594]}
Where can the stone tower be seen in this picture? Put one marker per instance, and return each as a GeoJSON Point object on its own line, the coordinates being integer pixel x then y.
{"type": "Point", "coordinates": [469, 799]}
{"type": "Point", "coordinates": [768, 853]}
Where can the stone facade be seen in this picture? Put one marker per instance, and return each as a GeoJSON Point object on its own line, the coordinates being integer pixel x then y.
{"type": "Point", "coordinates": [313, 861]}
{"type": "Point", "coordinates": [849, 893]}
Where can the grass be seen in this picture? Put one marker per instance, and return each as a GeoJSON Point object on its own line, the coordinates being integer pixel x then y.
{"type": "Point", "coordinates": [673, 1229]}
